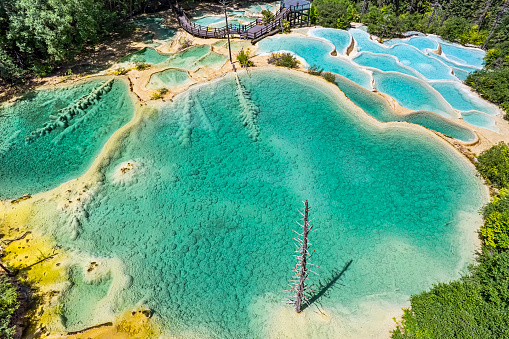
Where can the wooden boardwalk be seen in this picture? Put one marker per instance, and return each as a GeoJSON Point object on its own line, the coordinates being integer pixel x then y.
{"type": "Point", "coordinates": [290, 10]}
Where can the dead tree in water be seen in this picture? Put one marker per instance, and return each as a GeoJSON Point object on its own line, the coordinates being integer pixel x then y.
{"type": "Point", "coordinates": [298, 283]}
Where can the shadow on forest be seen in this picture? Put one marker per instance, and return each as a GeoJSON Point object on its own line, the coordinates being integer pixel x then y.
{"type": "Point", "coordinates": [325, 286]}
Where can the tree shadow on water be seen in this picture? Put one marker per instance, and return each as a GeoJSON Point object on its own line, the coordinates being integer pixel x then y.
{"type": "Point", "coordinates": [326, 285]}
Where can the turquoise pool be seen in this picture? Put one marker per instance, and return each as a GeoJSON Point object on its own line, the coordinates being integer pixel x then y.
{"type": "Point", "coordinates": [62, 152]}
{"type": "Point", "coordinates": [204, 227]}
{"type": "Point", "coordinates": [316, 52]}
{"type": "Point", "coordinates": [157, 26]}
{"type": "Point", "coordinates": [147, 54]}
{"type": "Point", "coordinates": [413, 93]}
{"type": "Point", "coordinates": [339, 38]}
{"type": "Point", "coordinates": [461, 97]}
{"type": "Point", "coordinates": [379, 108]}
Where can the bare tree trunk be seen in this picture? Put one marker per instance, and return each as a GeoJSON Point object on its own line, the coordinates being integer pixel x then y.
{"type": "Point", "coordinates": [483, 14]}
{"type": "Point", "coordinates": [411, 8]}
{"type": "Point", "coordinates": [365, 5]}
{"type": "Point", "coordinates": [298, 281]}
{"type": "Point", "coordinates": [396, 6]}
{"type": "Point", "coordinates": [496, 23]}
{"type": "Point", "coordinates": [446, 13]}
{"type": "Point", "coordinates": [224, 3]}
{"type": "Point", "coordinates": [9, 273]}
{"type": "Point", "coordinates": [303, 262]}
{"type": "Point", "coordinates": [432, 14]}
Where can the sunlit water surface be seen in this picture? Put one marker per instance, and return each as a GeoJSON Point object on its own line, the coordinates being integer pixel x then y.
{"type": "Point", "coordinates": [204, 226]}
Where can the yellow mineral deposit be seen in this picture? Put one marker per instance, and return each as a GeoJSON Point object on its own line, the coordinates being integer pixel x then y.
{"type": "Point", "coordinates": [136, 323]}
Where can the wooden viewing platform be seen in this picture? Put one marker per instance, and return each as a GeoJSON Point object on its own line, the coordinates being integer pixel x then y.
{"type": "Point", "coordinates": [296, 12]}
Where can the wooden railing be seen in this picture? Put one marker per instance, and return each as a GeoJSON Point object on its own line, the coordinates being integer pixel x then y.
{"type": "Point", "coordinates": [299, 8]}
{"type": "Point", "coordinates": [241, 30]}
{"type": "Point", "coordinates": [276, 23]}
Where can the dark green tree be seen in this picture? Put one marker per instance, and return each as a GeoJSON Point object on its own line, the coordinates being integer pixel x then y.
{"type": "Point", "coordinates": [330, 11]}
{"type": "Point", "coordinates": [8, 305]}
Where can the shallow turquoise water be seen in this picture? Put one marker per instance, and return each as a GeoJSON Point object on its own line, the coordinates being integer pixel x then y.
{"type": "Point", "coordinates": [208, 20]}
{"type": "Point", "coordinates": [189, 58]}
{"type": "Point", "coordinates": [450, 63]}
{"type": "Point", "coordinates": [63, 153]}
{"type": "Point", "coordinates": [364, 43]}
{"type": "Point", "coordinates": [205, 227]}
{"type": "Point", "coordinates": [419, 42]}
{"type": "Point", "coordinates": [430, 68]}
{"type": "Point", "coordinates": [379, 109]}
{"type": "Point", "coordinates": [213, 60]}
{"type": "Point", "coordinates": [455, 52]}
{"type": "Point", "coordinates": [315, 52]}
{"type": "Point", "coordinates": [169, 78]}
{"type": "Point", "coordinates": [480, 119]}
{"type": "Point", "coordinates": [161, 31]}
{"type": "Point", "coordinates": [407, 54]}
{"type": "Point", "coordinates": [148, 55]}
{"type": "Point", "coordinates": [384, 63]}
{"type": "Point", "coordinates": [406, 57]}
{"type": "Point", "coordinates": [338, 37]}
{"type": "Point", "coordinates": [412, 93]}
{"type": "Point", "coordinates": [460, 74]}
{"type": "Point", "coordinates": [464, 55]}
{"type": "Point", "coordinates": [442, 125]}
{"type": "Point", "coordinates": [460, 97]}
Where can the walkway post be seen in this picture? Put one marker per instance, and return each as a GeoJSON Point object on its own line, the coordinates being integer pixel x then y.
{"type": "Point", "coordinates": [223, 2]}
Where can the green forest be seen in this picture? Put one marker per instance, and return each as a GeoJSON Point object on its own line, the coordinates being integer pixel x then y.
{"type": "Point", "coordinates": [38, 35]}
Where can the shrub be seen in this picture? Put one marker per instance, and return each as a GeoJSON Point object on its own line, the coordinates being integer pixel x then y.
{"type": "Point", "coordinates": [159, 94]}
{"type": "Point", "coordinates": [42, 70]}
{"type": "Point", "coordinates": [352, 14]}
{"type": "Point", "coordinates": [119, 71]}
{"type": "Point", "coordinates": [492, 55]}
{"type": "Point", "coordinates": [453, 28]}
{"type": "Point", "coordinates": [185, 43]}
{"type": "Point", "coordinates": [492, 84]}
{"type": "Point", "coordinates": [382, 22]}
{"type": "Point", "coordinates": [474, 307]}
{"type": "Point", "coordinates": [498, 56]}
{"type": "Point", "coordinates": [341, 23]}
{"type": "Point", "coordinates": [498, 203]}
{"type": "Point", "coordinates": [8, 305]}
{"type": "Point", "coordinates": [139, 63]}
{"type": "Point", "coordinates": [330, 77]}
{"type": "Point", "coordinates": [9, 71]}
{"type": "Point", "coordinates": [413, 22]}
{"type": "Point", "coordinates": [286, 26]}
{"type": "Point", "coordinates": [315, 70]}
{"type": "Point", "coordinates": [493, 164]}
{"type": "Point", "coordinates": [313, 14]}
{"type": "Point", "coordinates": [267, 16]}
{"type": "Point", "coordinates": [495, 232]}
{"type": "Point", "coordinates": [473, 36]}
{"type": "Point", "coordinates": [283, 59]}
{"type": "Point", "coordinates": [243, 58]}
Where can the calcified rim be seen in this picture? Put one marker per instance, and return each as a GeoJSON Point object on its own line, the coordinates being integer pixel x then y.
{"type": "Point", "coordinates": [146, 109]}
{"type": "Point", "coordinates": [337, 97]}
